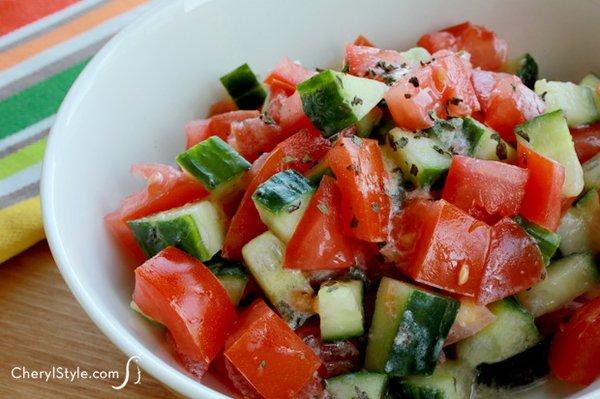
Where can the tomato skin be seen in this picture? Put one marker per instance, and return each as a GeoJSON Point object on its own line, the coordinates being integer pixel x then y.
{"type": "Point", "coordinates": [575, 350]}
{"type": "Point", "coordinates": [587, 141]}
{"type": "Point", "coordinates": [246, 223]}
{"type": "Point", "coordinates": [437, 41]}
{"type": "Point", "coordinates": [218, 125]}
{"type": "Point", "coordinates": [364, 61]}
{"type": "Point", "coordinates": [178, 291]}
{"type": "Point", "coordinates": [269, 354]}
{"type": "Point", "coordinates": [487, 190]}
{"type": "Point", "coordinates": [196, 131]}
{"type": "Point", "coordinates": [358, 167]}
{"type": "Point", "coordinates": [167, 188]}
{"type": "Point", "coordinates": [287, 74]}
{"type": "Point", "coordinates": [542, 201]}
{"type": "Point", "coordinates": [514, 263]}
{"type": "Point", "coordinates": [363, 41]}
{"type": "Point", "coordinates": [252, 137]}
{"type": "Point", "coordinates": [452, 77]}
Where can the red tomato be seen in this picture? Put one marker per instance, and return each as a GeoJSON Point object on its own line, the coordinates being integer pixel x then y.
{"type": "Point", "coordinates": [452, 76]}
{"type": "Point", "coordinates": [487, 190]}
{"type": "Point", "coordinates": [252, 137]}
{"type": "Point", "coordinates": [484, 82]}
{"type": "Point", "coordinates": [291, 116]}
{"type": "Point", "coordinates": [319, 241]}
{"type": "Point", "coordinates": [358, 167]}
{"type": "Point", "coordinates": [363, 41]}
{"type": "Point", "coordinates": [218, 125]}
{"type": "Point", "coordinates": [587, 141]}
{"type": "Point", "coordinates": [542, 201]}
{"type": "Point", "coordinates": [575, 350]}
{"type": "Point", "coordinates": [221, 107]}
{"type": "Point", "coordinates": [437, 41]}
{"type": "Point", "coordinates": [178, 291]}
{"type": "Point", "coordinates": [267, 352]}
{"type": "Point", "coordinates": [288, 74]}
{"type": "Point", "coordinates": [371, 62]}
{"type": "Point", "coordinates": [196, 131]}
{"type": "Point", "coordinates": [167, 188]}
{"type": "Point", "coordinates": [514, 262]}
{"type": "Point", "coordinates": [300, 152]}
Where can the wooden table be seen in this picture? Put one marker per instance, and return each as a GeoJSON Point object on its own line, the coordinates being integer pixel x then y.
{"type": "Point", "coordinates": [42, 325]}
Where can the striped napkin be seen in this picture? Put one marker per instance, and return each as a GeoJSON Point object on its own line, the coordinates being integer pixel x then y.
{"type": "Point", "coordinates": [44, 45]}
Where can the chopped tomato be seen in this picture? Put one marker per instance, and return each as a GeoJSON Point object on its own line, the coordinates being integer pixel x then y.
{"type": "Point", "coordinates": [267, 352]}
{"type": "Point", "coordinates": [319, 241]}
{"type": "Point", "coordinates": [288, 74]}
{"type": "Point", "coordinates": [587, 141]}
{"type": "Point", "coordinates": [452, 76]}
{"type": "Point", "coordinates": [300, 152]}
{"type": "Point", "coordinates": [221, 107]}
{"type": "Point", "coordinates": [437, 41]}
{"type": "Point", "coordinates": [358, 167]}
{"type": "Point", "coordinates": [542, 201]}
{"type": "Point", "coordinates": [291, 116]}
{"type": "Point", "coordinates": [167, 188]}
{"type": "Point", "coordinates": [218, 125]}
{"type": "Point", "coordinates": [575, 350]}
{"type": "Point", "coordinates": [254, 136]}
{"type": "Point", "coordinates": [514, 262]}
{"type": "Point", "coordinates": [363, 41]}
{"type": "Point", "coordinates": [178, 291]}
{"type": "Point", "coordinates": [487, 190]}
{"type": "Point", "coordinates": [196, 131]}
{"type": "Point", "coordinates": [372, 62]}
{"type": "Point", "coordinates": [471, 319]}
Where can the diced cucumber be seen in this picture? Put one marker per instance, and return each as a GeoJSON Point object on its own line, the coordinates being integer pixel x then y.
{"type": "Point", "coordinates": [420, 158]}
{"type": "Point", "coordinates": [334, 100]}
{"type": "Point", "coordinates": [566, 279]}
{"type": "Point", "coordinates": [593, 82]}
{"type": "Point", "coordinates": [215, 164]}
{"type": "Point", "coordinates": [577, 102]}
{"type": "Point", "coordinates": [340, 311]}
{"type": "Point", "coordinates": [197, 229]}
{"type": "Point", "coordinates": [416, 55]}
{"type": "Point", "coordinates": [579, 229]}
{"type": "Point", "coordinates": [546, 240]}
{"type": "Point", "coordinates": [282, 200]}
{"type": "Point", "coordinates": [408, 329]}
{"type": "Point", "coordinates": [360, 385]}
{"type": "Point", "coordinates": [450, 380]}
{"type": "Point", "coordinates": [244, 88]}
{"type": "Point", "coordinates": [316, 173]}
{"type": "Point", "coordinates": [549, 135]}
{"type": "Point", "coordinates": [487, 143]}
{"type": "Point", "coordinates": [525, 68]}
{"type": "Point", "coordinates": [365, 126]}
{"type": "Point", "coordinates": [288, 290]}
{"type": "Point", "coordinates": [136, 309]}
{"type": "Point", "coordinates": [450, 135]}
{"type": "Point", "coordinates": [591, 173]}
{"type": "Point", "coordinates": [232, 275]}
{"type": "Point", "coordinates": [385, 125]}
{"type": "Point", "coordinates": [512, 332]}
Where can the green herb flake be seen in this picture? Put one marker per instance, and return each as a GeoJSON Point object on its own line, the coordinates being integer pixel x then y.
{"type": "Point", "coordinates": [388, 79]}
{"type": "Point", "coordinates": [294, 207]}
{"type": "Point", "coordinates": [501, 152]}
{"type": "Point", "coordinates": [321, 206]}
{"type": "Point", "coordinates": [307, 159]}
{"type": "Point", "coordinates": [356, 101]}
{"type": "Point", "coordinates": [340, 81]}
{"type": "Point", "coordinates": [402, 142]}
{"type": "Point", "coordinates": [375, 206]}
{"type": "Point", "coordinates": [414, 170]}
{"type": "Point", "coordinates": [414, 81]}
{"type": "Point", "coordinates": [289, 158]}
{"type": "Point", "coordinates": [357, 140]}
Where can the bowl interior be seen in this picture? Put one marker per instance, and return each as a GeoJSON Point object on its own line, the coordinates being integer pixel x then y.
{"type": "Point", "coordinates": [132, 101]}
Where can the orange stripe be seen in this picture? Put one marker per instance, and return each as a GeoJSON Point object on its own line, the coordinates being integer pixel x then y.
{"type": "Point", "coordinates": [16, 13]}
{"type": "Point", "coordinates": [67, 31]}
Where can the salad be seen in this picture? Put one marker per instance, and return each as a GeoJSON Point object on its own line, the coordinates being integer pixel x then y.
{"type": "Point", "coordinates": [416, 224]}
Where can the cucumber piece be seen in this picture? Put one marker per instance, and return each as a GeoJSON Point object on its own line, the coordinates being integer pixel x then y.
{"type": "Point", "coordinates": [334, 100]}
{"type": "Point", "coordinates": [486, 143]}
{"type": "Point", "coordinates": [416, 55]}
{"type": "Point", "coordinates": [591, 173]}
{"type": "Point", "coordinates": [340, 309]}
{"type": "Point", "coordinates": [197, 229]}
{"type": "Point", "coordinates": [420, 158]}
{"type": "Point", "coordinates": [549, 135]}
{"type": "Point", "coordinates": [525, 68]}
{"type": "Point", "coordinates": [360, 385]}
{"type": "Point", "coordinates": [408, 329]}
{"type": "Point", "coordinates": [546, 240]}
{"type": "Point", "coordinates": [385, 125]}
{"type": "Point", "coordinates": [577, 102]}
{"type": "Point", "coordinates": [288, 290]}
{"type": "Point", "coordinates": [450, 380]}
{"type": "Point", "coordinates": [244, 88]}
{"type": "Point", "coordinates": [579, 229]}
{"type": "Point", "coordinates": [449, 133]}
{"type": "Point", "coordinates": [316, 173]}
{"type": "Point", "coordinates": [593, 82]}
{"type": "Point", "coordinates": [282, 200]}
{"type": "Point", "coordinates": [365, 126]}
{"type": "Point", "coordinates": [232, 275]}
{"type": "Point", "coordinates": [512, 332]}
{"type": "Point", "coordinates": [566, 279]}
{"type": "Point", "coordinates": [215, 164]}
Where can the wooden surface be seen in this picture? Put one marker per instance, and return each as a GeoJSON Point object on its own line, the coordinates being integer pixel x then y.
{"type": "Point", "coordinates": [42, 325]}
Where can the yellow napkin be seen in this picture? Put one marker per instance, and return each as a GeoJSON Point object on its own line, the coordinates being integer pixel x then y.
{"type": "Point", "coordinates": [20, 227]}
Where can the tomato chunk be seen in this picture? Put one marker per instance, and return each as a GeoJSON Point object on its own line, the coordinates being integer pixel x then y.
{"type": "Point", "coordinates": [542, 201]}
{"type": "Point", "coordinates": [587, 141]}
{"type": "Point", "coordinates": [221, 107]}
{"type": "Point", "coordinates": [269, 354]}
{"type": "Point", "coordinates": [254, 136]}
{"type": "Point", "coordinates": [358, 167]}
{"type": "Point", "coordinates": [372, 62]}
{"type": "Point", "coordinates": [178, 291]}
{"type": "Point", "coordinates": [288, 74]}
{"type": "Point", "coordinates": [363, 41]}
{"type": "Point", "coordinates": [217, 125]}
{"type": "Point", "coordinates": [575, 350]}
{"type": "Point", "coordinates": [452, 76]}
{"type": "Point", "coordinates": [487, 190]}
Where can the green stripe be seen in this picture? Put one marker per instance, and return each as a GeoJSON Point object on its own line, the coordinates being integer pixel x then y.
{"type": "Point", "coordinates": [36, 102]}
{"type": "Point", "coordinates": [22, 159]}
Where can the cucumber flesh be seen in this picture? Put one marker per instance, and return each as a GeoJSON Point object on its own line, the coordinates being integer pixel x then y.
{"type": "Point", "coordinates": [546, 240]}
{"type": "Point", "coordinates": [593, 82]}
{"type": "Point", "coordinates": [340, 311]}
{"type": "Point", "coordinates": [360, 385]}
{"type": "Point", "coordinates": [244, 88]}
{"type": "Point", "coordinates": [525, 68]}
{"type": "Point", "coordinates": [487, 143]}
{"type": "Point", "coordinates": [577, 102]}
{"type": "Point", "coordinates": [450, 380]}
{"type": "Point", "coordinates": [450, 135]}
{"type": "Point", "coordinates": [579, 229]}
{"type": "Point", "coordinates": [232, 275]}
{"type": "Point", "coordinates": [365, 126]}
{"type": "Point", "coordinates": [591, 173]}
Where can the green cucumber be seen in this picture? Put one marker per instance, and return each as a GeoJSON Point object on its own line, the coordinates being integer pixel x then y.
{"type": "Point", "coordinates": [487, 143]}
{"type": "Point", "coordinates": [385, 125]}
{"type": "Point", "coordinates": [450, 380]}
{"type": "Point", "coordinates": [549, 135]}
{"type": "Point", "coordinates": [566, 279]}
{"type": "Point", "coordinates": [316, 173]}
{"type": "Point", "coordinates": [340, 308]}
{"type": "Point", "coordinates": [450, 135]}
{"type": "Point", "coordinates": [334, 100]}
{"type": "Point", "coordinates": [591, 173]}
{"type": "Point", "coordinates": [244, 88]}
{"type": "Point", "coordinates": [420, 158]}
{"type": "Point", "coordinates": [512, 332]}
{"type": "Point", "coordinates": [365, 126]}
{"type": "Point", "coordinates": [215, 164]}
{"type": "Point", "coordinates": [197, 229]}
{"type": "Point", "coordinates": [288, 290]}
{"type": "Point", "coordinates": [577, 102]}
{"type": "Point", "coordinates": [408, 329]}
{"type": "Point", "coordinates": [359, 385]}
{"type": "Point", "coordinates": [232, 275]}
{"type": "Point", "coordinates": [546, 240]}
{"type": "Point", "coordinates": [282, 200]}
{"type": "Point", "coordinates": [525, 68]}
{"type": "Point", "coordinates": [593, 82]}
{"type": "Point", "coordinates": [416, 55]}
{"type": "Point", "coordinates": [579, 227]}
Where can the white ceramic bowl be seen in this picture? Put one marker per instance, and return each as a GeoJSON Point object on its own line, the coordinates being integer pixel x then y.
{"type": "Point", "coordinates": [131, 102]}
